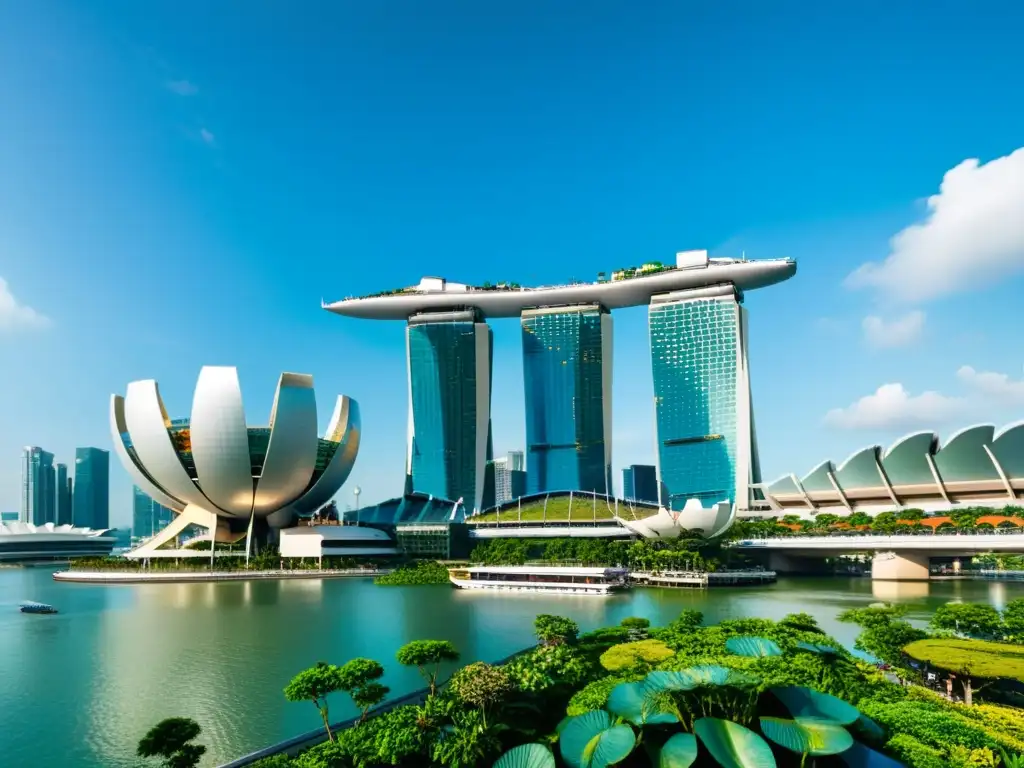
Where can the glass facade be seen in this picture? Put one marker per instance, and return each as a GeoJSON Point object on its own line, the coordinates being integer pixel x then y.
{"type": "Point", "coordinates": [148, 517]}
{"type": "Point", "coordinates": [640, 483]}
{"type": "Point", "coordinates": [64, 486]}
{"type": "Point", "coordinates": [566, 368]}
{"type": "Point", "coordinates": [450, 396]}
{"type": "Point", "coordinates": [696, 360]}
{"type": "Point", "coordinates": [38, 487]}
{"type": "Point", "coordinates": [91, 504]}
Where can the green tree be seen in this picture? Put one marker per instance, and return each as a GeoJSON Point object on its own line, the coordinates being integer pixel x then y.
{"type": "Point", "coordinates": [482, 686]}
{"type": "Point", "coordinates": [358, 678]}
{"type": "Point", "coordinates": [1013, 619]}
{"type": "Point", "coordinates": [555, 630]}
{"type": "Point", "coordinates": [427, 656]}
{"type": "Point", "coordinates": [884, 634]}
{"type": "Point", "coordinates": [637, 626]}
{"type": "Point", "coordinates": [802, 622]}
{"type": "Point", "coordinates": [688, 620]}
{"type": "Point", "coordinates": [171, 739]}
{"type": "Point", "coordinates": [884, 522]}
{"type": "Point", "coordinates": [971, 619]}
{"type": "Point", "coordinates": [858, 519]}
{"type": "Point", "coordinates": [315, 684]}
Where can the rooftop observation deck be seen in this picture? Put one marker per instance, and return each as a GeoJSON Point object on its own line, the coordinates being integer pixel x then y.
{"type": "Point", "coordinates": [625, 288]}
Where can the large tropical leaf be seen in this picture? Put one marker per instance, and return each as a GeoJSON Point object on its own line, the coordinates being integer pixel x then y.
{"type": "Point", "coordinates": [821, 650]}
{"type": "Point", "coordinates": [592, 740]}
{"type": "Point", "coordinates": [732, 745]}
{"type": "Point", "coordinates": [859, 756]}
{"type": "Point", "coordinates": [659, 681]}
{"type": "Point", "coordinates": [804, 702]}
{"type": "Point", "coordinates": [527, 756]}
{"type": "Point", "coordinates": [638, 704]}
{"type": "Point", "coordinates": [748, 645]}
{"type": "Point", "coordinates": [807, 736]}
{"type": "Point", "coordinates": [680, 751]}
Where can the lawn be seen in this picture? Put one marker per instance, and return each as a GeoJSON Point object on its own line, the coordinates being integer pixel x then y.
{"type": "Point", "coordinates": [977, 658]}
{"type": "Point", "coordinates": [565, 508]}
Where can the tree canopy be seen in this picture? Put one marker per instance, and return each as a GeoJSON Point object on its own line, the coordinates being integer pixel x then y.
{"type": "Point", "coordinates": [171, 739]}
{"type": "Point", "coordinates": [976, 658]}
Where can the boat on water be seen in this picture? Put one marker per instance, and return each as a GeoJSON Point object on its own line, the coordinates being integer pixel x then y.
{"type": "Point", "coordinates": [31, 607]}
{"type": "Point", "coordinates": [541, 578]}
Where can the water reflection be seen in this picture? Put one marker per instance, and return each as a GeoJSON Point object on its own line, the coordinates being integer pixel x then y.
{"type": "Point", "coordinates": [898, 591]}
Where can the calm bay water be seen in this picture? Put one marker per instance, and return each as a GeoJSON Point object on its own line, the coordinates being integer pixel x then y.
{"type": "Point", "coordinates": [80, 688]}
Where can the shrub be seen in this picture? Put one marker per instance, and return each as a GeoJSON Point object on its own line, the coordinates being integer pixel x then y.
{"type": "Point", "coordinates": [640, 655]}
{"type": "Point", "coordinates": [555, 630]}
{"type": "Point", "coordinates": [481, 685]}
{"type": "Point", "coordinates": [547, 667]}
{"type": "Point", "coordinates": [913, 753]}
{"type": "Point", "coordinates": [593, 695]}
{"type": "Point", "coordinates": [927, 723]}
{"type": "Point", "coordinates": [415, 574]}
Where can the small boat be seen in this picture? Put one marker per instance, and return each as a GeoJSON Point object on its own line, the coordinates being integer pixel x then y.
{"type": "Point", "coordinates": [552, 579]}
{"type": "Point", "coordinates": [30, 607]}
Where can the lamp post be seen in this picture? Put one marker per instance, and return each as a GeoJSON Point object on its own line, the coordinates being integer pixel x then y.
{"type": "Point", "coordinates": [355, 492]}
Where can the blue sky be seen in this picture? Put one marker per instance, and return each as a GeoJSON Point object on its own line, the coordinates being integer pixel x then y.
{"type": "Point", "coordinates": [181, 184]}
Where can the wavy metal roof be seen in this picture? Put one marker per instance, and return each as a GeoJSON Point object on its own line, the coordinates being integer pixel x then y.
{"type": "Point", "coordinates": [976, 465]}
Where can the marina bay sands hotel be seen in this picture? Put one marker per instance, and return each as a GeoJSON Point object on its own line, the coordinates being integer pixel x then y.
{"type": "Point", "coordinates": [706, 445]}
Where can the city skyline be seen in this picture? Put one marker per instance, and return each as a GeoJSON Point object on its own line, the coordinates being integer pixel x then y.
{"type": "Point", "coordinates": [870, 177]}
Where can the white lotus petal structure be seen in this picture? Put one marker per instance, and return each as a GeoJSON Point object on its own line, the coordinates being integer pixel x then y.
{"type": "Point", "coordinates": [217, 472]}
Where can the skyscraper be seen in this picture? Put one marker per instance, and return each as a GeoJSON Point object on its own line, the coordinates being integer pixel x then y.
{"type": "Point", "coordinates": [706, 447]}
{"type": "Point", "coordinates": [64, 516]}
{"type": "Point", "coordinates": [567, 369]}
{"type": "Point", "coordinates": [509, 477]}
{"type": "Point", "coordinates": [91, 504]}
{"type": "Point", "coordinates": [38, 486]}
{"type": "Point", "coordinates": [640, 483]}
{"type": "Point", "coordinates": [148, 517]}
{"type": "Point", "coordinates": [450, 407]}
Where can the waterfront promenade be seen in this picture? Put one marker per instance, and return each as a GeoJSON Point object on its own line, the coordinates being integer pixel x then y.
{"type": "Point", "coordinates": [174, 577]}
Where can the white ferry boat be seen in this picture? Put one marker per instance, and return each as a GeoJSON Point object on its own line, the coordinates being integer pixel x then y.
{"type": "Point", "coordinates": [541, 578]}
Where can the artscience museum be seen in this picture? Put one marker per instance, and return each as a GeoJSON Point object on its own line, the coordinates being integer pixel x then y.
{"type": "Point", "coordinates": [218, 473]}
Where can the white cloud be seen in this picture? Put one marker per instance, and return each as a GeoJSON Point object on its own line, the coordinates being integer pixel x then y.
{"type": "Point", "coordinates": [206, 136]}
{"type": "Point", "coordinates": [14, 315]}
{"type": "Point", "coordinates": [183, 87]}
{"type": "Point", "coordinates": [989, 384]}
{"type": "Point", "coordinates": [972, 235]}
{"type": "Point", "coordinates": [896, 333]}
{"type": "Point", "coordinates": [892, 407]}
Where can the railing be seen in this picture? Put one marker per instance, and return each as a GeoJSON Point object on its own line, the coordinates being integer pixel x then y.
{"type": "Point", "coordinates": [309, 739]}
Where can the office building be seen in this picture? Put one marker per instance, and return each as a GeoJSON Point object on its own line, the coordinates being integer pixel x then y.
{"type": "Point", "coordinates": [567, 371]}
{"type": "Point", "coordinates": [38, 487]}
{"type": "Point", "coordinates": [64, 497]}
{"type": "Point", "coordinates": [148, 516]}
{"type": "Point", "coordinates": [91, 499]}
{"type": "Point", "coordinates": [450, 408]}
{"type": "Point", "coordinates": [509, 478]}
{"type": "Point", "coordinates": [705, 446]}
{"type": "Point", "coordinates": [640, 483]}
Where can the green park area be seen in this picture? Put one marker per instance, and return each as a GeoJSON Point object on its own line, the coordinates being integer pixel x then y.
{"type": "Point", "coordinates": [580, 508]}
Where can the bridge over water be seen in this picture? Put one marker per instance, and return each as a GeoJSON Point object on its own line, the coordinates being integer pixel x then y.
{"type": "Point", "coordinates": [896, 558]}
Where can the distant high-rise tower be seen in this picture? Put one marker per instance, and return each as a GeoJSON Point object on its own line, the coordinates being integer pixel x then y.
{"type": "Point", "coordinates": [38, 486]}
{"type": "Point", "coordinates": [640, 483]}
{"type": "Point", "coordinates": [706, 447]}
{"type": "Point", "coordinates": [91, 504]}
{"type": "Point", "coordinates": [450, 408]}
{"type": "Point", "coordinates": [63, 495]}
{"type": "Point", "coordinates": [567, 369]}
{"type": "Point", "coordinates": [148, 517]}
{"type": "Point", "coordinates": [509, 477]}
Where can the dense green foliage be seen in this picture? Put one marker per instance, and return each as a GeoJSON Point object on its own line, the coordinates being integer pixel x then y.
{"type": "Point", "coordinates": [964, 520]}
{"type": "Point", "coordinates": [644, 555]}
{"type": "Point", "coordinates": [171, 739]}
{"type": "Point", "coordinates": [972, 619]}
{"type": "Point", "coordinates": [975, 658]}
{"type": "Point", "coordinates": [744, 693]}
{"type": "Point", "coordinates": [885, 633]}
{"type": "Point", "coordinates": [422, 572]}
